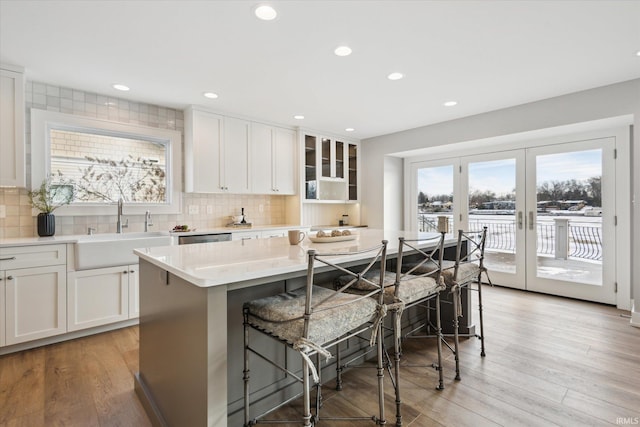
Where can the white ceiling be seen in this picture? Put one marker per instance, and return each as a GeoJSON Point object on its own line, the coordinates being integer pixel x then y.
{"type": "Point", "coordinates": [486, 55]}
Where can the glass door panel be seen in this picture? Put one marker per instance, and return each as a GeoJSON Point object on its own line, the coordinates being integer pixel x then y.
{"type": "Point", "coordinates": [310, 167]}
{"type": "Point", "coordinates": [435, 185]}
{"type": "Point", "coordinates": [339, 159]}
{"type": "Point", "coordinates": [495, 195]}
{"type": "Point", "coordinates": [326, 157]}
{"type": "Point", "coordinates": [353, 171]}
{"type": "Point", "coordinates": [570, 220]}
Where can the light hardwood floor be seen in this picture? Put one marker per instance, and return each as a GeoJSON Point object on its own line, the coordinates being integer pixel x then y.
{"type": "Point", "coordinates": [550, 361]}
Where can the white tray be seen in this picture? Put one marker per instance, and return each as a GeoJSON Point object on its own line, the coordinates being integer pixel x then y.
{"type": "Point", "coordinates": [315, 239]}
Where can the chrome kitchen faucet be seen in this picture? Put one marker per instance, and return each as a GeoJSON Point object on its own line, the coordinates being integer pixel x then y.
{"type": "Point", "coordinates": [148, 222]}
{"type": "Point", "coordinates": [119, 225]}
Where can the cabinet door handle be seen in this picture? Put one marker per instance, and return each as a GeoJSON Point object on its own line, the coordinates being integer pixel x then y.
{"type": "Point", "coordinates": [9, 277]}
{"type": "Point", "coordinates": [131, 271]}
{"type": "Point", "coordinates": [125, 272]}
{"type": "Point", "coordinates": [7, 259]}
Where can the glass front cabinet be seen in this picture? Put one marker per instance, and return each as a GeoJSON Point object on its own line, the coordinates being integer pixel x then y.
{"type": "Point", "coordinates": [330, 168]}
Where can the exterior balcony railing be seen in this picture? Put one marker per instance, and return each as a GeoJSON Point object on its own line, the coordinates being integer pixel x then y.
{"type": "Point", "coordinates": [557, 237]}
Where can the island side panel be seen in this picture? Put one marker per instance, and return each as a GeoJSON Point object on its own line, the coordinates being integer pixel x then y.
{"type": "Point", "coordinates": [174, 348]}
{"type": "Point", "coordinates": [218, 356]}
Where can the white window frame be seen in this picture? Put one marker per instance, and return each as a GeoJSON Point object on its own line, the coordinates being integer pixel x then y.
{"type": "Point", "coordinates": [43, 121]}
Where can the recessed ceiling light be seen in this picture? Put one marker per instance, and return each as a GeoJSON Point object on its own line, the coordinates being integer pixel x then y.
{"type": "Point", "coordinates": [450, 103]}
{"type": "Point", "coordinates": [210, 95]}
{"type": "Point", "coordinates": [343, 51]}
{"type": "Point", "coordinates": [266, 12]}
{"type": "Point", "coordinates": [298, 117]}
{"type": "Point", "coordinates": [395, 76]}
{"type": "Point", "coordinates": [121, 87]}
{"type": "Point", "coordinates": [349, 129]}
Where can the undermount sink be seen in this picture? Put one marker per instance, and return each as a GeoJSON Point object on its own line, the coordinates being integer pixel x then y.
{"type": "Point", "coordinates": [113, 249]}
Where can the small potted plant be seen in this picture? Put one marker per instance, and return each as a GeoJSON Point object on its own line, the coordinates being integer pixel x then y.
{"type": "Point", "coordinates": [47, 198]}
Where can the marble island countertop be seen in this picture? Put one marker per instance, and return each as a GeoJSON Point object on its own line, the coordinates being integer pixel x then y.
{"type": "Point", "coordinates": [222, 263]}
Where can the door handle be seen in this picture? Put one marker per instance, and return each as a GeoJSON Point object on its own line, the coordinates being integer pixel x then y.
{"type": "Point", "coordinates": [520, 220]}
{"type": "Point", "coordinates": [530, 220]}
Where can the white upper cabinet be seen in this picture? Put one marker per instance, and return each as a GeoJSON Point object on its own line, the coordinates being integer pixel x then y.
{"type": "Point", "coordinates": [236, 155]}
{"type": "Point", "coordinates": [284, 165]}
{"type": "Point", "coordinates": [216, 153]}
{"type": "Point", "coordinates": [261, 158]}
{"type": "Point", "coordinates": [231, 155]}
{"type": "Point", "coordinates": [273, 160]}
{"type": "Point", "coordinates": [203, 144]}
{"type": "Point", "coordinates": [331, 169]}
{"type": "Point", "coordinates": [12, 111]}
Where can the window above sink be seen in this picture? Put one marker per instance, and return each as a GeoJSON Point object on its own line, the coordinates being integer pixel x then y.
{"type": "Point", "coordinates": [102, 161]}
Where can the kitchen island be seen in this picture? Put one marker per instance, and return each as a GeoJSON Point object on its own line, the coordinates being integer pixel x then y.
{"type": "Point", "coordinates": [190, 371]}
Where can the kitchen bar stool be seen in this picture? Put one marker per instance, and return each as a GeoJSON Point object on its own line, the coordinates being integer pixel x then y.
{"type": "Point", "coordinates": [406, 289]}
{"type": "Point", "coordinates": [313, 319]}
{"type": "Point", "coordinates": [463, 272]}
{"type": "Point", "coordinates": [468, 269]}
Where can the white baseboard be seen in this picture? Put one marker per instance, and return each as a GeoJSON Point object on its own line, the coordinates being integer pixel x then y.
{"type": "Point", "coordinates": [635, 315]}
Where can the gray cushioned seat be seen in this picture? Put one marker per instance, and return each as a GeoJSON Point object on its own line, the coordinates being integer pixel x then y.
{"type": "Point", "coordinates": [412, 288]}
{"type": "Point", "coordinates": [467, 272]}
{"type": "Point", "coordinates": [281, 315]}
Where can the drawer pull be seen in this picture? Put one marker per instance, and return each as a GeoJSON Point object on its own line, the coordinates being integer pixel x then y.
{"type": "Point", "coordinates": [125, 272]}
{"type": "Point", "coordinates": [7, 259]}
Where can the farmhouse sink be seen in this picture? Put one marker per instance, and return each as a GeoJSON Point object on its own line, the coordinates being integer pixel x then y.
{"type": "Point", "coordinates": [110, 250]}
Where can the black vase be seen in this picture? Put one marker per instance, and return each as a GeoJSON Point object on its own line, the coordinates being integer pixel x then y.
{"type": "Point", "coordinates": [46, 224]}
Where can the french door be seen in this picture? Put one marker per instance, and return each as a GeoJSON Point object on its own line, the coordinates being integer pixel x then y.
{"type": "Point", "coordinates": [570, 220]}
{"type": "Point", "coordinates": [494, 185]}
{"type": "Point", "coordinates": [549, 211]}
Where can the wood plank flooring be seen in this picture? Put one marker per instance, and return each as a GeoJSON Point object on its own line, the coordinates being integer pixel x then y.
{"type": "Point", "coordinates": [550, 362]}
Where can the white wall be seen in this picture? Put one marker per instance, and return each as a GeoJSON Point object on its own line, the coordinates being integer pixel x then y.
{"type": "Point", "coordinates": [604, 102]}
{"type": "Point", "coordinates": [393, 190]}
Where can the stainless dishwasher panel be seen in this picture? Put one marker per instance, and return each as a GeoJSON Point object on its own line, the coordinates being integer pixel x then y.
{"type": "Point", "coordinates": [204, 238]}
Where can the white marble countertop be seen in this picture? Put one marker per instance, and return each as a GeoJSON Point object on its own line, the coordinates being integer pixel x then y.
{"type": "Point", "coordinates": [30, 241]}
{"type": "Point", "coordinates": [218, 230]}
{"type": "Point", "coordinates": [73, 238]}
{"type": "Point", "coordinates": [222, 263]}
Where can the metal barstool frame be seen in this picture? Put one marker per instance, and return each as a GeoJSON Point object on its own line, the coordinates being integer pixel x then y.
{"type": "Point", "coordinates": [311, 306]}
{"type": "Point", "coordinates": [475, 241]}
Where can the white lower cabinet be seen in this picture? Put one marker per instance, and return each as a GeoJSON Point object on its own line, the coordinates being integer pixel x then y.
{"type": "Point", "coordinates": [274, 233]}
{"type": "Point", "coordinates": [35, 303]}
{"type": "Point", "coordinates": [101, 296]}
{"type": "Point", "coordinates": [3, 339]}
{"type": "Point", "coordinates": [245, 235]}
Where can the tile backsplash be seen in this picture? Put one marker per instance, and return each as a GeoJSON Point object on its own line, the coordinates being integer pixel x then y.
{"type": "Point", "coordinates": [198, 210]}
